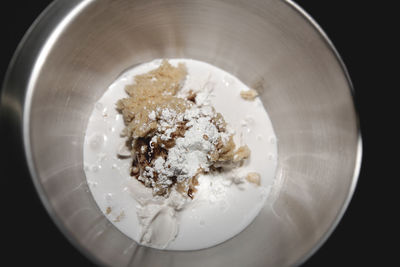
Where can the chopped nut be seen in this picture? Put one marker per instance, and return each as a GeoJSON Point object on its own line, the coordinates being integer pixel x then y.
{"type": "Point", "coordinates": [253, 177]}
{"type": "Point", "coordinates": [205, 137]}
{"type": "Point", "coordinates": [108, 210]}
{"type": "Point", "coordinates": [192, 96]}
{"type": "Point", "coordinates": [249, 94]}
{"type": "Point", "coordinates": [135, 170]}
{"type": "Point", "coordinates": [225, 151]}
{"type": "Point", "coordinates": [123, 151]}
{"type": "Point", "coordinates": [120, 217]}
{"type": "Point", "coordinates": [243, 152]}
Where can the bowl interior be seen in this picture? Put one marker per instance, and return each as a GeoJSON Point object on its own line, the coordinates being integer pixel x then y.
{"type": "Point", "coordinates": [270, 45]}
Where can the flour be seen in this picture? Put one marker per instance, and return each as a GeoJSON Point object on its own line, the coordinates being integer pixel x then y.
{"type": "Point", "coordinates": [191, 153]}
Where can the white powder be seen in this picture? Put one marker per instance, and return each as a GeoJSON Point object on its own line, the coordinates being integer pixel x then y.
{"type": "Point", "coordinates": [190, 152]}
{"type": "Point", "coordinates": [152, 115]}
{"type": "Point", "coordinates": [190, 155]}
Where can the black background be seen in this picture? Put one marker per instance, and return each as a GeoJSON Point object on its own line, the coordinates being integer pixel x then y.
{"type": "Point", "coordinates": [30, 236]}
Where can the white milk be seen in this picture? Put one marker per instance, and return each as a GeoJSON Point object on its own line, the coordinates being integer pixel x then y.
{"type": "Point", "coordinates": [222, 207]}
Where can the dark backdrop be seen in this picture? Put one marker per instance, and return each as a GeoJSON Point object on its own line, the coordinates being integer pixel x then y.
{"type": "Point", "coordinates": [30, 236]}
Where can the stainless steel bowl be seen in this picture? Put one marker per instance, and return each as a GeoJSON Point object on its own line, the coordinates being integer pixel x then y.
{"type": "Point", "coordinates": [78, 47]}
